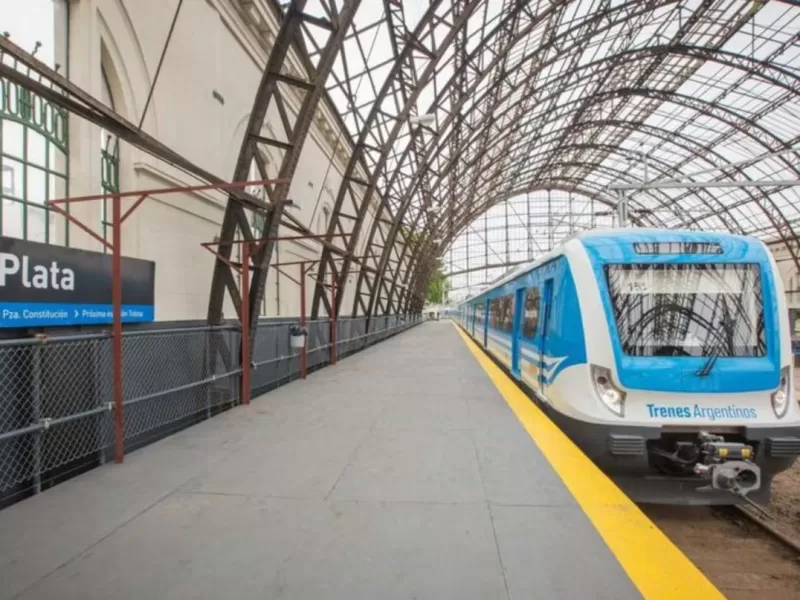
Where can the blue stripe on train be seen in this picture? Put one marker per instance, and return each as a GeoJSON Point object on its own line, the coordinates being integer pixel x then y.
{"type": "Point", "coordinates": [528, 352]}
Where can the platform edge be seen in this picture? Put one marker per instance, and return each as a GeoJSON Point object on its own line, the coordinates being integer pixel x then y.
{"type": "Point", "coordinates": [657, 567]}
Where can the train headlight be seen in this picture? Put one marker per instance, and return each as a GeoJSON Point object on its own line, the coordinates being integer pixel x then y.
{"type": "Point", "coordinates": [607, 392]}
{"type": "Point", "coordinates": [780, 397]}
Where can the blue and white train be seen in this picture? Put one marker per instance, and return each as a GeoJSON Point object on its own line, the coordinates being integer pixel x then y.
{"type": "Point", "coordinates": [664, 355]}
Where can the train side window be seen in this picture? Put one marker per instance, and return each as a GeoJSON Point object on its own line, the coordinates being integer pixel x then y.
{"type": "Point", "coordinates": [479, 309]}
{"type": "Point", "coordinates": [496, 313]}
{"type": "Point", "coordinates": [531, 320]}
{"type": "Point", "coordinates": [508, 314]}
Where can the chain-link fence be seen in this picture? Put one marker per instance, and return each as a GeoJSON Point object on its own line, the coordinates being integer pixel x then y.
{"type": "Point", "coordinates": [56, 409]}
{"type": "Point", "coordinates": [275, 362]}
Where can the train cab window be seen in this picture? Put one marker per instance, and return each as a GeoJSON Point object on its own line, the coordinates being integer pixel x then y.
{"type": "Point", "coordinates": [688, 309]}
{"type": "Point", "coordinates": [531, 319]}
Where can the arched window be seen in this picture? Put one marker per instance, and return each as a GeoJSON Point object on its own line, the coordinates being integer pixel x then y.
{"type": "Point", "coordinates": [33, 164]}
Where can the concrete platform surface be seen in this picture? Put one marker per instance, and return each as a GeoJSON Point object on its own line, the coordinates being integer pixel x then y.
{"type": "Point", "coordinates": [399, 473]}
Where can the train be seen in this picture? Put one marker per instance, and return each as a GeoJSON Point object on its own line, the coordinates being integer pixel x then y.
{"type": "Point", "coordinates": [665, 355]}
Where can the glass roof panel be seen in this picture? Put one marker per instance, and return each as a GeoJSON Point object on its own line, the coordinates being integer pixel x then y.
{"type": "Point", "coordinates": [568, 97]}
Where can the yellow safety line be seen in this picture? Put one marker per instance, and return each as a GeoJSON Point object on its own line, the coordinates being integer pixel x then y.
{"type": "Point", "coordinates": [654, 564]}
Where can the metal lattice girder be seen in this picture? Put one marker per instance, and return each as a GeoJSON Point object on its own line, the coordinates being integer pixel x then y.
{"type": "Point", "coordinates": [481, 135]}
{"type": "Point", "coordinates": [764, 69]}
{"type": "Point", "coordinates": [60, 91]}
{"type": "Point", "coordinates": [458, 90]}
{"type": "Point", "coordinates": [508, 31]}
{"type": "Point", "coordinates": [382, 126]}
{"type": "Point", "coordinates": [483, 38]}
{"type": "Point", "coordinates": [277, 83]}
{"type": "Point", "coordinates": [525, 95]}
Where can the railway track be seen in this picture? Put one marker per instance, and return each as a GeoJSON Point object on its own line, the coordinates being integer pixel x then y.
{"type": "Point", "coordinates": [766, 522]}
{"type": "Point", "coordinates": [739, 550]}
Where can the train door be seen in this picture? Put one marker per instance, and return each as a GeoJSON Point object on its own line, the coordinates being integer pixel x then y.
{"type": "Point", "coordinates": [519, 310]}
{"type": "Point", "coordinates": [546, 311]}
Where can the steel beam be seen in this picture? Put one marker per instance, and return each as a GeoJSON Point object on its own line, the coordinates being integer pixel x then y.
{"type": "Point", "coordinates": [275, 89]}
{"type": "Point", "coordinates": [59, 91]}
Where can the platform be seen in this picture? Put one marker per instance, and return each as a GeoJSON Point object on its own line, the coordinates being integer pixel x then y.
{"type": "Point", "coordinates": [401, 472]}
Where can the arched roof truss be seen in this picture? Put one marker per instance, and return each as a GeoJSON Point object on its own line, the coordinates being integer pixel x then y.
{"type": "Point", "coordinates": [537, 95]}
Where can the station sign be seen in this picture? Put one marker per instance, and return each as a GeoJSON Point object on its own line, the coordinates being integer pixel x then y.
{"type": "Point", "coordinates": [42, 285]}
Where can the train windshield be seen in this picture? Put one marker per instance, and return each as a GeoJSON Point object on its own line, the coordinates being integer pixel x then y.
{"type": "Point", "coordinates": [688, 309]}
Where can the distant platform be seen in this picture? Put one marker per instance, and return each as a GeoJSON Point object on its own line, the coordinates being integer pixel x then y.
{"type": "Point", "coordinates": [405, 471]}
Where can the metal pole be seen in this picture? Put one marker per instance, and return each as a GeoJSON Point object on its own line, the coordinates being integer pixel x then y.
{"type": "Point", "coordinates": [508, 247]}
{"type": "Point", "coordinates": [245, 318]}
{"type": "Point", "coordinates": [303, 364]}
{"type": "Point", "coordinates": [116, 330]}
{"type": "Point", "coordinates": [571, 216]}
{"type": "Point", "coordinates": [232, 380]}
{"type": "Point", "coordinates": [530, 233]}
{"type": "Point", "coordinates": [207, 369]}
{"type": "Point", "coordinates": [333, 318]}
{"type": "Point", "coordinates": [622, 209]}
{"type": "Point", "coordinates": [656, 185]}
{"type": "Point", "coordinates": [99, 400]}
{"type": "Point", "coordinates": [36, 386]}
{"type": "Point", "coordinates": [278, 281]}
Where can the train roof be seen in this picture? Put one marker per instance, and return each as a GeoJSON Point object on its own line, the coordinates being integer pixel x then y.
{"type": "Point", "coordinates": [620, 235]}
{"type": "Point", "coordinates": [636, 234]}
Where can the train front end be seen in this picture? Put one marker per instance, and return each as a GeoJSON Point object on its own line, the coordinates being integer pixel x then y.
{"type": "Point", "coordinates": [692, 366]}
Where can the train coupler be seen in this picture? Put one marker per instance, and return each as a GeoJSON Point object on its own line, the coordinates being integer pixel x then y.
{"type": "Point", "coordinates": [727, 466]}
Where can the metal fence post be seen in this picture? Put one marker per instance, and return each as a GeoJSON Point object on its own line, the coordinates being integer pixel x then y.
{"type": "Point", "coordinates": [245, 314]}
{"type": "Point", "coordinates": [172, 387]}
{"type": "Point", "coordinates": [233, 382]}
{"type": "Point", "coordinates": [207, 371]}
{"type": "Point", "coordinates": [303, 365]}
{"type": "Point", "coordinates": [116, 293]}
{"type": "Point", "coordinates": [37, 415]}
{"type": "Point", "coordinates": [333, 318]}
{"type": "Point", "coordinates": [98, 399]}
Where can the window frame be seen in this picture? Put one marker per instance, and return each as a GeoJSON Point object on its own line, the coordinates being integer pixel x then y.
{"type": "Point", "coordinates": [502, 313]}
{"type": "Point", "coordinates": [622, 311]}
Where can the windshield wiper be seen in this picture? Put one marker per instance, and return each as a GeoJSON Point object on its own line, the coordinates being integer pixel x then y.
{"type": "Point", "coordinates": [705, 370]}
{"type": "Point", "coordinates": [716, 351]}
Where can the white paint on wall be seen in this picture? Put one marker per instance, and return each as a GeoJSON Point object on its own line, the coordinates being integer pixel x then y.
{"type": "Point", "coordinates": [200, 109]}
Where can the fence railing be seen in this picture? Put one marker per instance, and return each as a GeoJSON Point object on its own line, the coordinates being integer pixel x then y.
{"type": "Point", "coordinates": [56, 409]}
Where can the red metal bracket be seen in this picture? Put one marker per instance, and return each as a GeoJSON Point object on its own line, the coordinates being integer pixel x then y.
{"type": "Point", "coordinates": [118, 218]}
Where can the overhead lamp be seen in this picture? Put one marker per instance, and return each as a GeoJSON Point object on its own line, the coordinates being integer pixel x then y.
{"type": "Point", "coordinates": [426, 120]}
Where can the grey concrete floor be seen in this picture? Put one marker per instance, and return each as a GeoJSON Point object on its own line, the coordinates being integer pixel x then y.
{"type": "Point", "coordinates": [399, 473]}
